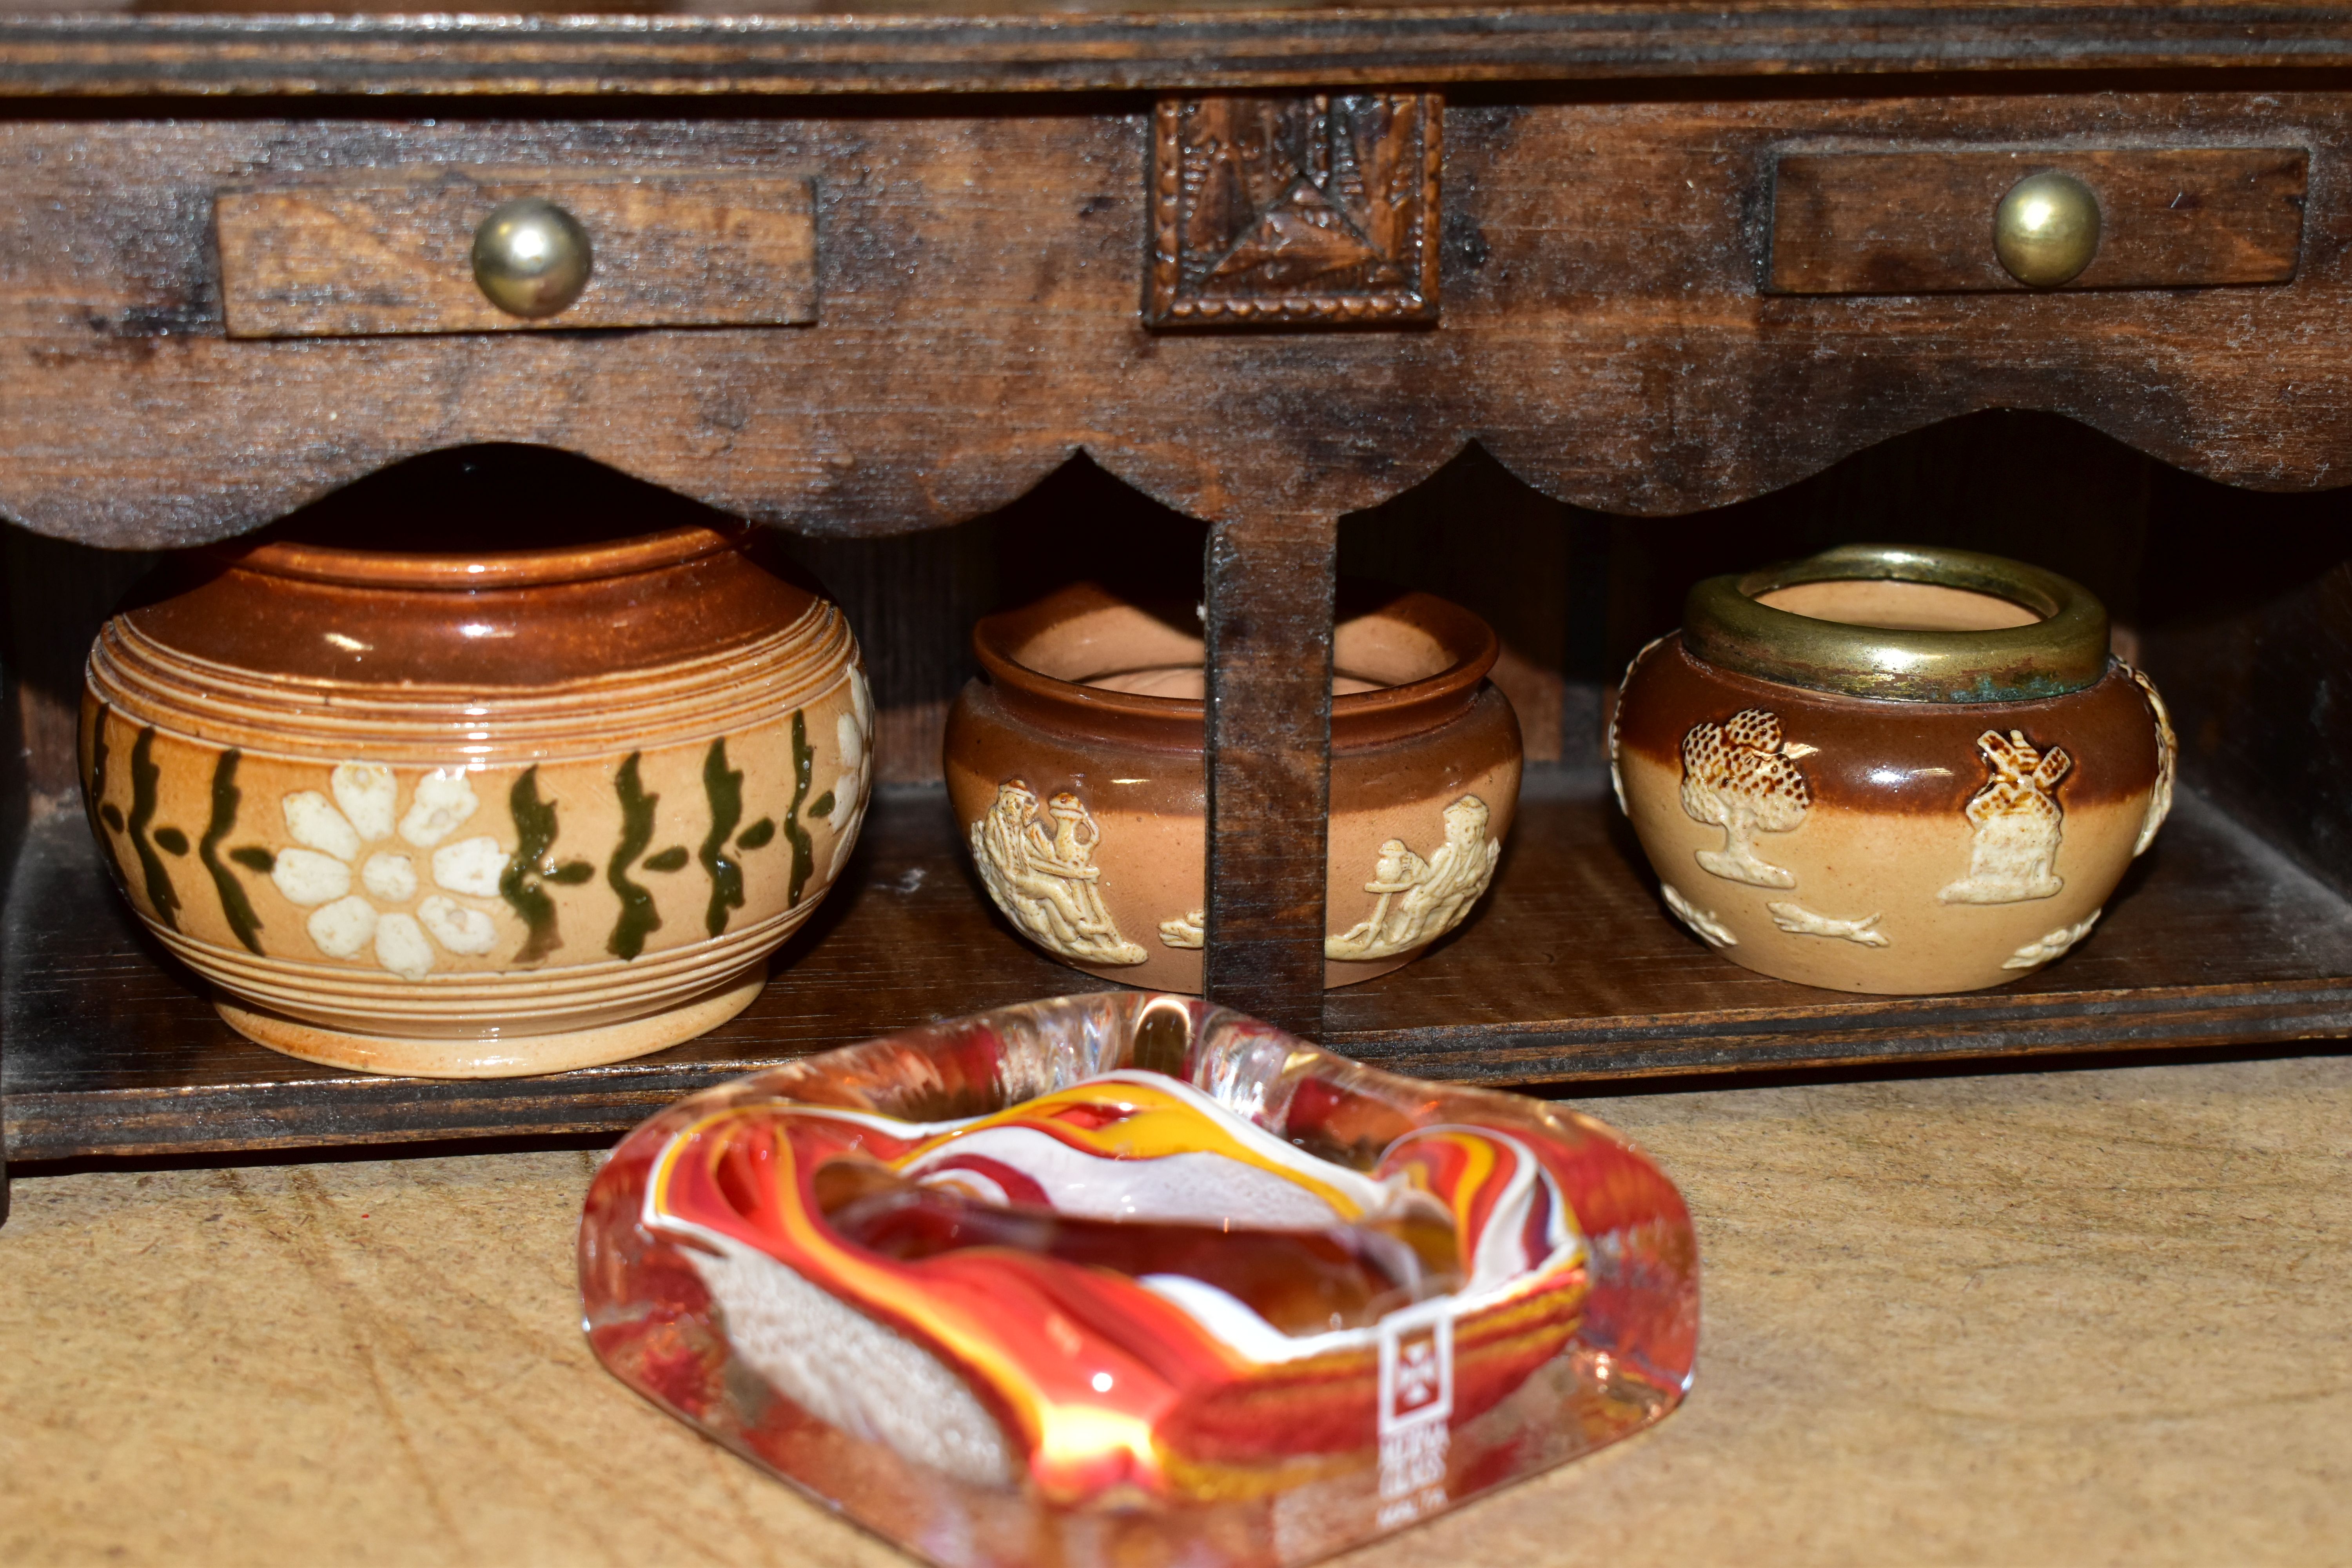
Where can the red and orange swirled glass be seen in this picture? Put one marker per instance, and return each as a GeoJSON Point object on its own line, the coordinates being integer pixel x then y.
{"type": "Point", "coordinates": [1136, 1279]}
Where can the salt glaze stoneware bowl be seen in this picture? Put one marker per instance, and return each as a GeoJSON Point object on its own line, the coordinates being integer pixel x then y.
{"type": "Point", "coordinates": [477, 815]}
{"type": "Point", "coordinates": [1129, 1278]}
{"type": "Point", "coordinates": [1891, 769]}
{"type": "Point", "coordinates": [1077, 769]}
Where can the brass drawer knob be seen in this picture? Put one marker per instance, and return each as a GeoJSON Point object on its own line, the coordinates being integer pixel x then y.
{"type": "Point", "coordinates": [2046, 229]}
{"type": "Point", "coordinates": [532, 257]}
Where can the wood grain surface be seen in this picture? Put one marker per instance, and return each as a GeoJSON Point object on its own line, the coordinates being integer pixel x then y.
{"type": "Point", "coordinates": [387, 255]}
{"type": "Point", "coordinates": [1215, 47]}
{"type": "Point", "coordinates": [1570, 971]}
{"type": "Point", "coordinates": [1271, 582]}
{"type": "Point", "coordinates": [1953, 1322]}
{"type": "Point", "coordinates": [1604, 335]}
{"type": "Point", "coordinates": [1916, 222]}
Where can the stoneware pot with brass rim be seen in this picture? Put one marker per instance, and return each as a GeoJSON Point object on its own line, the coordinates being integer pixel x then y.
{"type": "Point", "coordinates": [1891, 769]}
{"type": "Point", "coordinates": [477, 813]}
{"type": "Point", "coordinates": [1075, 767]}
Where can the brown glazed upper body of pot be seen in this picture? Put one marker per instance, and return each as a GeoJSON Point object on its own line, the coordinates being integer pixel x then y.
{"type": "Point", "coordinates": [1075, 769]}
{"type": "Point", "coordinates": [1905, 845]}
{"type": "Point", "coordinates": [468, 813]}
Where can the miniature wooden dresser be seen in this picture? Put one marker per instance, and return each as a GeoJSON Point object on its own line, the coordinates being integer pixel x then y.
{"type": "Point", "coordinates": [867, 276]}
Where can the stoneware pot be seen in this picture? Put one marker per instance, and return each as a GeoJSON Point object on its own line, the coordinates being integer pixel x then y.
{"type": "Point", "coordinates": [1076, 772]}
{"type": "Point", "coordinates": [476, 814]}
{"type": "Point", "coordinates": [1891, 769]}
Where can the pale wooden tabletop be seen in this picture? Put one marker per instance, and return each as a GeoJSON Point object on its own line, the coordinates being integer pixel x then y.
{"type": "Point", "coordinates": [2069, 1318]}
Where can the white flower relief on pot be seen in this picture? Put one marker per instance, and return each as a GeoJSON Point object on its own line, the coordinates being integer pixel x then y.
{"type": "Point", "coordinates": [335, 840]}
{"type": "Point", "coordinates": [851, 734]}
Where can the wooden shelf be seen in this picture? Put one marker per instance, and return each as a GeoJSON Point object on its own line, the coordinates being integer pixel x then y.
{"type": "Point", "coordinates": [1572, 971]}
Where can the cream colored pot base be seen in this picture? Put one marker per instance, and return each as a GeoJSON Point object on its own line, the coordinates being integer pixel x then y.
{"type": "Point", "coordinates": [513, 1056]}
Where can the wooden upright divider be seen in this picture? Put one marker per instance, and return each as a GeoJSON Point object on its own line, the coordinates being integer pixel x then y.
{"type": "Point", "coordinates": [1271, 579]}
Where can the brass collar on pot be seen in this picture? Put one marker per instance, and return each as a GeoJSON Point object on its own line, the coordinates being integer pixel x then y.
{"type": "Point", "coordinates": [2066, 650]}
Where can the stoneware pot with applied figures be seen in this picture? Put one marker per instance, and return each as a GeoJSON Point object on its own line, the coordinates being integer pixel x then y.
{"type": "Point", "coordinates": [477, 813]}
{"type": "Point", "coordinates": [1891, 769]}
{"type": "Point", "coordinates": [1076, 764]}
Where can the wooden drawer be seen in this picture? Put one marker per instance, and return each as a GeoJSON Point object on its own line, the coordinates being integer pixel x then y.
{"type": "Point", "coordinates": [1925, 222]}
{"type": "Point", "coordinates": [391, 253]}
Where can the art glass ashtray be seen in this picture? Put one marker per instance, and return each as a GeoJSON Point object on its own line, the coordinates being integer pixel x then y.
{"type": "Point", "coordinates": [1136, 1279]}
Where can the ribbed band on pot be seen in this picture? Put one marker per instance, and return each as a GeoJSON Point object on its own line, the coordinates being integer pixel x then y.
{"type": "Point", "coordinates": [2066, 650]}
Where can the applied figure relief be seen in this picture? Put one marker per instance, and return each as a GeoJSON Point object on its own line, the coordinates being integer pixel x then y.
{"type": "Point", "coordinates": [1421, 900]}
{"type": "Point", "coordinates": [1048, 886]}
{"type": "Point", "coordinates": [1190, 929]}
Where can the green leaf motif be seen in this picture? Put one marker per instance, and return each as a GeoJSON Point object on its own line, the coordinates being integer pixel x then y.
{"type": "Point", "coordinates": [723, 787]}
{"type": "Point", "coordinates": [822, 806]}
{"type": "Point", "coordinates": [101, 809]}
{"type": "Point", "coordinates": [161, 897]}
{"type": "Point", "coordinates": [640, 917]}
{"type": "Point", "coordinates": [255, 858]}
{"type": "Point", "coordinates": [572, 873]}
{"type": "Point", "coordinates": [756, 836]}
{"type": "Point", "coordinates": [172, 841]}
{"type": "Point", "coordinates": [518, 884]}
{"type": "Point", "coordinates": [804, 847]}
{"type": "Point", "coordinates": [235, 908]}
{"type": "Point", "coordinates": [670, 859]}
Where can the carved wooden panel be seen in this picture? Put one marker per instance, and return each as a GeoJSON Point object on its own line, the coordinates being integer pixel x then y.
{"type": "Point", "coordinates": [379, 254]}
{"type": "Point", "coordinates": [1313, 211]}
{"type": "Point", "coordinates": [1921, 222]}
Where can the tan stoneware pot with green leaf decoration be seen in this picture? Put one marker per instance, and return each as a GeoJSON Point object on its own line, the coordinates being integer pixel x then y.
{"type": "Point", "coordinates": [475, 813]}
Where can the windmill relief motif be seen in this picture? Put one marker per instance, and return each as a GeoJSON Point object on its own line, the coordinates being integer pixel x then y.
{"type": "Point", "coordinates": [2017, 819]}
{"type": "Point", "coordinates": [1741, 776]}
{"type": "Point", "coordinates": [1421, 900]}
{"type": "Point", "coordinates": [1047, 886]}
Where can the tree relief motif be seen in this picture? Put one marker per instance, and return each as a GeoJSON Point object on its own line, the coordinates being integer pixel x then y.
{"type": "Point", "coordinates": [1741, 776]}
{"type": "Point", "coordinates": [1421, 900]}
{"type": "Point", "coordinates": [2017, 818]}
{"type": "Point", "coordinates": [1049, 886]}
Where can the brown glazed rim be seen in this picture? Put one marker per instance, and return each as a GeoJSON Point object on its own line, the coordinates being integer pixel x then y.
{"type": "Point", "coordinates": [477, 571]}
{"type": "Point", "coordinates": [1359, 718]}
{"type": "Point", "coordinates": [2066, 650]}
